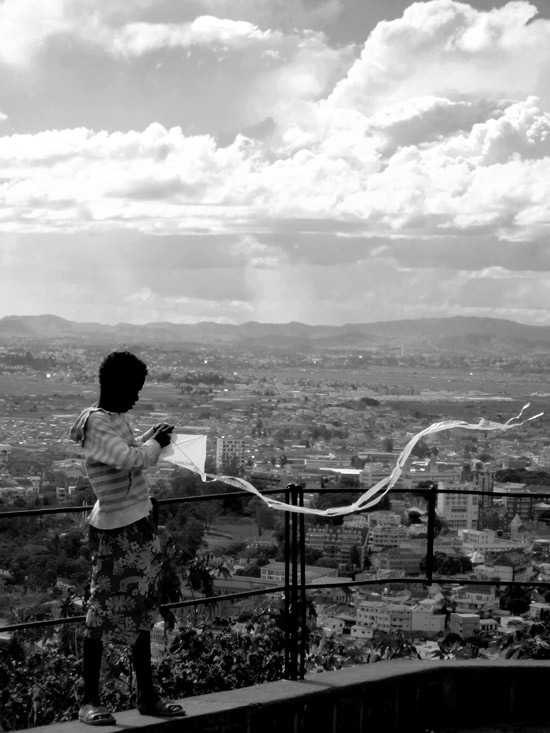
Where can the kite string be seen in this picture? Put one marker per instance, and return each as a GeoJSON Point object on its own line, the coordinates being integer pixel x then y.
{"type": "Point", "coordinates": [376, 493]}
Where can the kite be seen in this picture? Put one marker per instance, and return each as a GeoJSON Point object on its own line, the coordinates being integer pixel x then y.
{"type": "Point", "coordinates": [189, 451]}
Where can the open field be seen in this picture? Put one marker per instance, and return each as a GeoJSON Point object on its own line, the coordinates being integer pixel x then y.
{"type": "Point", "coordinates": [235, 529]}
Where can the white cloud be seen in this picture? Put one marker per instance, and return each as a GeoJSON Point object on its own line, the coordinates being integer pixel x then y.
{"type": "Point", "coordinates": [140, 38]}
{"type": "Point", "coordinates": [448, 48]}
{"type": "Point", "coordinates": [496, 175]}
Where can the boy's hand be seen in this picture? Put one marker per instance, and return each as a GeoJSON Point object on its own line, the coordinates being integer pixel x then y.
{"type": "Point", "coordinates": [163, 435]}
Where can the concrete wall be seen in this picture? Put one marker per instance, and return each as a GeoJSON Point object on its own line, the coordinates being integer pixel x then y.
{"type": "Point", "coordinates": [394, 697]}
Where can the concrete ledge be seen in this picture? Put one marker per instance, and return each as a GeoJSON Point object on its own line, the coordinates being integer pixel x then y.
{"type": "Point", "coordinates": [387, 697]}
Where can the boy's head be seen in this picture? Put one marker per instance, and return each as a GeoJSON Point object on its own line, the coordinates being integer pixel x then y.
{"type": "Point", "coordinates": [121, 378]}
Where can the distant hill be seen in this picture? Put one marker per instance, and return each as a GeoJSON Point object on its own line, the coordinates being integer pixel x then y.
{"type": "Point", "coordinates": [444, 334]}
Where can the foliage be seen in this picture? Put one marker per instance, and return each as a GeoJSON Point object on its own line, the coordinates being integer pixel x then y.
{"type": "Point", "coordinates": [42, 685]}
{"type": "Point", "coordinates": [448, 564]}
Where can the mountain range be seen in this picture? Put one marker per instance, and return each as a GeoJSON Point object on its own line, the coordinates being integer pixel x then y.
{"type": "Point", "coordinates": [456, 333]}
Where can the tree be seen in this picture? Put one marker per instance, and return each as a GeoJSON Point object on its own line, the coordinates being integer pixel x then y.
{"type": "Point", "coordinates": [199, 577]}
{"type": "Point", "coordinates": [516, 599]}
{"type": "Point", "coordinates": [421, 450]}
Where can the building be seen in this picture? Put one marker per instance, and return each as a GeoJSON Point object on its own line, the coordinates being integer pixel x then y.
{"type": "Point", "coordinates": [275, 572]}
{"type": "Point", "coordinates": [333, 592]}
{"type": "Point", "coordinates": [464, 624]}
{"type": "Point", "coordinates": [228, 450]}
{"type": "Point", "coordinates": [385, 535]}
{"type": "Point", "coordinates": [483, 479]}
{"type": "Point", "coordinates": [387, 617]}
{"type": "Point", "coordinates": [361, 632]}
{"type": "Point", "coordinates": [335, 541]}
{"type": "Point", "coordinates": [5, 451]}
{"type": "Point", "coordinates": [423, 619]}
{"type": "Point", "coordinates": [539, 611]}
{"type": "Point", "coordinates": [488, 625]}
{"type": "Point", "coordinates": [460, 510]}
{"type": "Point", "coordinates": [486, 540]}
{"type": "Point", "coordinates": [513, 565]}
{"type": "Point", "coordinates": [434, 471]}
{"type": "Point", "coordinates": [406, 558]}
{"type": "Point", "coordinates": [480, 599]}
{"type": "Point", "coordinates": [523, 506]}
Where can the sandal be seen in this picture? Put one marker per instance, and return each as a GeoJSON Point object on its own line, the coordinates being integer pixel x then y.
{"type": "Point", "coordinates": [95, 715]}
{"type": "Point", "coordinates": [162, 709]}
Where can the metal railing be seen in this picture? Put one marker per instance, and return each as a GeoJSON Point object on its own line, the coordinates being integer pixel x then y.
{"type": "Point", "coordinates": [295, 586]}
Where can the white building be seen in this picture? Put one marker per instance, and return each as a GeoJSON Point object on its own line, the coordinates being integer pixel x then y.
{"type": "Point", "coordinates": [387, 617]}
{"type": "Point", "coordinates": [229, 449]}
{"type": "Point", "coordinates": [424, 620]}
{"type": "Point", "coordinates": [460, 511]}
{"type": "Point", "coordinates": [480, 599]}
{"type": "Point", "coordinates": [274, 571]}
{"type": "Point", "coordinates": [384, 518]}
{"type": "Point", "coordinates": [504, 573]}
{"type": "Point", "coordinates": [483, 540]}
{"type": "Point", "coordinates": [385, 535]}
{"type": "Point", "coordinates": [488, 624]}
{"type": "Point", "coordinates": [361, 632]}
{"type": "Point", "coordinates": [538, 610]}
{"type": "Point", "coordinates": [464, 624]}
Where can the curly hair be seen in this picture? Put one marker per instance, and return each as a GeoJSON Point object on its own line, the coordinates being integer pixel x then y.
{"type": "Point", "coordinates": [121, 366]}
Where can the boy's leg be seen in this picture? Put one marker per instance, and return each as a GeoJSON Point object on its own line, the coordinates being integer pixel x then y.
{"type": "Point", "coordinates": [92, 651]}
{"type": "Point", "coordinates": [146, 695]}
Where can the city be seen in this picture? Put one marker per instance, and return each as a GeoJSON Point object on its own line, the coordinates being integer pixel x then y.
{"type": "Point", "coordinates": [277, 423]}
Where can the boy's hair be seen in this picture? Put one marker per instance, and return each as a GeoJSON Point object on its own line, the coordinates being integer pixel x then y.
{"type": "Point", "coordinates": [121, 366]}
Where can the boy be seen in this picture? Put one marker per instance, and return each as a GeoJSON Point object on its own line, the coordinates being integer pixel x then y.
{"type": "Point", "coordinates": [123, 538]}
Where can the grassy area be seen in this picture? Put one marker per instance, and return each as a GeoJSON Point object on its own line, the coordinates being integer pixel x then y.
{"type": "Point", "coordinates": [235, 529]}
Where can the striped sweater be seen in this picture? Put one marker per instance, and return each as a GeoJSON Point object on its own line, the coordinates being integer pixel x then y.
{"type": "Point", "coordinates": [115, 460]}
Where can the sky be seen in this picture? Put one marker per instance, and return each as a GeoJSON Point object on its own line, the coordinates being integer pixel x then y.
{"type": "Point", "coordinates": [324, 161]}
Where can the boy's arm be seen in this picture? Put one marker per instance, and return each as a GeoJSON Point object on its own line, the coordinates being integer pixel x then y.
{"type": "Point", "coordinates": [148, 434]}
{"type": "Point", "coordinates": [105, 445]}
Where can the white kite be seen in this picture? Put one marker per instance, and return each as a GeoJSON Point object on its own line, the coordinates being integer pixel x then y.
{"type": "Point", "coordinates": [189, 451]}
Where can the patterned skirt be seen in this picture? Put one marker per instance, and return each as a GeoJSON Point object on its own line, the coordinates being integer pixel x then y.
{"type": "Point", "coordinates": [126, 564]}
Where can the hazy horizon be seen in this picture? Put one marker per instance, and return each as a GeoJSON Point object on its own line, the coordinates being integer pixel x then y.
{"type": "Point", "coordinates": [269, 323]}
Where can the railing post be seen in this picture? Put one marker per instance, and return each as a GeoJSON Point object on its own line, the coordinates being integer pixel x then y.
{"type": "Point", "coordinates": [294, 587]}
{"type": "Point", "coordinates": [287, 588]}
{"type": "Point", "coordinates": [295, 599]}
{"type": "Point", "coordinates": [302, 604]}
{"type": "Point", "coordinates": [432, 501]}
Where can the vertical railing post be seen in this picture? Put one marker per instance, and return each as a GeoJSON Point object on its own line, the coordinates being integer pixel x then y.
{"type": "Point", "coordinates": [294, 587]}
{"type": "Point", "coordinates": [287, 620]}
{"type": "Point", "coordinates": [432, 501]}
{"type": "Point", "coordinates": [302, 604]}
{"type": "Point", "coordinates": [295, 600]}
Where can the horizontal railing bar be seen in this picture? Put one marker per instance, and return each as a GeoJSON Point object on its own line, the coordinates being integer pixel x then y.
{"type": "Point", "coordinates": [280, 588]}
{"type": "Point", "coordinates": [169, 500]}
{"type": "Point", "coordinates": [45, 512]}
{"type": "Point", "coordinates": [232, 494]}
{"type": "Point", "coordinates": [210, 497]}
{"type": "Point", "coordinates": [46, 622]}
{"type": "Point", "coordinates": [226, 597]}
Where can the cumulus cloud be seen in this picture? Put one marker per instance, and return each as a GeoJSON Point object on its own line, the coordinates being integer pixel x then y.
{"type": "Point", "coordinates": [437, 135]}
{"type": "Point", "coordinates": [140, 38]}
{"type": "Point", "coordinates": [443, 47]}
{"type": "Point", "coordinates": [496, 175]}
